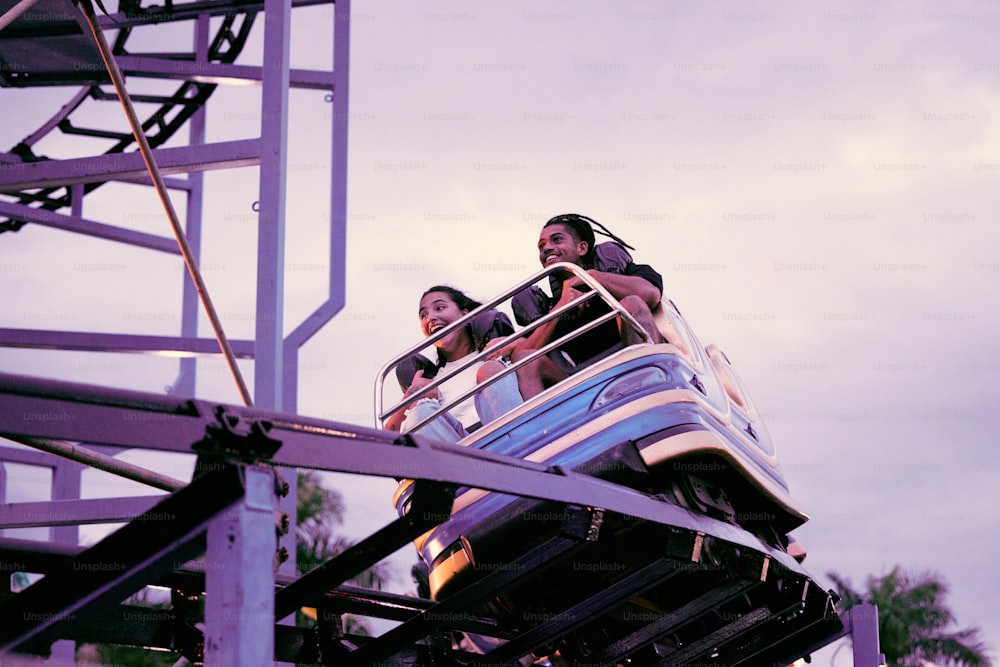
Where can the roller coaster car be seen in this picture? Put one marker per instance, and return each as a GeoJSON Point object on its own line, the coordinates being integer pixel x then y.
{"type": "Point", "coordinates": [672, 420]}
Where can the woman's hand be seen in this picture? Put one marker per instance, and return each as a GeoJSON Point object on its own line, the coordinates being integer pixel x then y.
{"type": "Point", "coordinates": [419, 381]}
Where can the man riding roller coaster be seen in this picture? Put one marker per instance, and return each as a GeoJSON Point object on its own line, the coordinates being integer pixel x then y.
{"type": "Point", "coordinates": [570, 238]}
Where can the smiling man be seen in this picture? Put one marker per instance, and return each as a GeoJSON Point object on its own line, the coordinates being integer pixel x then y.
{"type": "Point", "coordinates": [570, 238]}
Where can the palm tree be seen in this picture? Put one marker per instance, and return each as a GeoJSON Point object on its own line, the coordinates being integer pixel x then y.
{"type": "Point", "coordinates": [319, 511]}
{"type": "Point", "coordinates": [913, 620]}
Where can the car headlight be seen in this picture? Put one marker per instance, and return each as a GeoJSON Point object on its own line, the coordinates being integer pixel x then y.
{"type": "Point", "coordinates": [630, 383]}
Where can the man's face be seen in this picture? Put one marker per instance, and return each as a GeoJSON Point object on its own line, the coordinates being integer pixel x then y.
{"type": "Point", "coordinates": [557, 244]}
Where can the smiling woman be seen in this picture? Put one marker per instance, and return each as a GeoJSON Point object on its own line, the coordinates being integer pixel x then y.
{"type": "Point", "coordinates": [456, 349]}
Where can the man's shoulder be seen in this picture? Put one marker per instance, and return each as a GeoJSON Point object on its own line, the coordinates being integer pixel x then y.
{"type": "Point", "coordinates": [611, 257]}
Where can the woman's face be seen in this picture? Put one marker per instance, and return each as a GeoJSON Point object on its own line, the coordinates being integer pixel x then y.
{"type": "Point", "coordinates": [438, 310]}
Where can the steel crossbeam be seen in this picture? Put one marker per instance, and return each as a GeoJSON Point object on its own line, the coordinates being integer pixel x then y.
{"type": "Point", "coordinates": [128, 166]}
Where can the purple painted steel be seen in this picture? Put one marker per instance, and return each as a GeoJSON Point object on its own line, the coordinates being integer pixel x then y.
{"type": "Point", "coordinates": [188, 10]}
{"type": "Point", "coordinates": [71, 513]}
{"type": "Point", "coordinates": [336, 294]}
{"type": "Point", "coordinates": [186, 382]}
{"type": "Point", "coordinates": [78, 225]}
{"type": "Point", "coordinates": [268, 355]}
{"type": "Point", "coordinates": [239, 598]}
{"type": "Point", "coordinates": [66, 486]}
{"type": "Point", "coordinates": [76, 452]}
{"type": "Point", "coordinates": [26, 456]}
{"type": "Point", "coordinates": [864, 636]}
{"type": "Point", "coordinates": [86, 341]}
{"type": "Point", "coordinates": [129, 167]}
{"type": "Point", "coordinates": [164, 68]}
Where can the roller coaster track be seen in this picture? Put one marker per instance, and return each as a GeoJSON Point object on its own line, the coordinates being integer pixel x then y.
{"type": "Point", "coordinates": [627, 580]}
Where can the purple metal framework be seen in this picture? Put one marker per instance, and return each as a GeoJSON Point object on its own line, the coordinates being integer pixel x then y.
{"type": "Point", "coordinates": [37, 189]}
{"type": "Point", "coordinates": [227, 511]}
{"type": "Point", "coordinates": [47, 43]}
{"type": "Point", "coordinates": [51, 192]}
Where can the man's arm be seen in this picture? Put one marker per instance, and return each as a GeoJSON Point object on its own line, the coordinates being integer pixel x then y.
{"type": "Point", "coordinates": [621, 286]}
{"type": "Point", "coordinates": [544, 333]}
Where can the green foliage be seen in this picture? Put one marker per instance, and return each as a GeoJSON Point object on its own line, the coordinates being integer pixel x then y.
{"type": "Point", "coordinates": [316, 503]}
{"type": "Point", "coordinates": [914, 620]}
{"type": "Point", "coordinates": [320, 510]}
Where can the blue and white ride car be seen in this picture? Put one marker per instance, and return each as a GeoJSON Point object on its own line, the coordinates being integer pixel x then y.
{"type": "Point", "coordinates": [673, 420]}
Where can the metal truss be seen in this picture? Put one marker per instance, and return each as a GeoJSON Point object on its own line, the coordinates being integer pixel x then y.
{"type": "Point", "coordinates": [701, 591]}
{"type": "Point", "coordinates": [45, 43]}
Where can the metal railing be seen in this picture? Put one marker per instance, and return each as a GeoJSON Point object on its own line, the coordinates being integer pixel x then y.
{"type": "Point", "coordinates": [597, 290]}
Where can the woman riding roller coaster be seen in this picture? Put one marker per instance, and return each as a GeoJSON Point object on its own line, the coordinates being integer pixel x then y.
{"type": "Point", "coordinates": [440, 306]}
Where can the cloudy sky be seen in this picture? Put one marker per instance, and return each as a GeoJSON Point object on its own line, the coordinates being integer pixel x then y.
{"type": "Point", "coordinates": [818, 186]}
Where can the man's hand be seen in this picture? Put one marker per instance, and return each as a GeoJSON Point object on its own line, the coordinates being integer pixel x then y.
{"type": "Point", "coordinates": [502, 349]}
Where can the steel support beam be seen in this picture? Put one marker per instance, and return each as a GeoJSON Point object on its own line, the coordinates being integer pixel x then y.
{"type": "Point", "coordinates": [189, 70]}
{"type": "Point", "coordinates": [128, 167]}
{"type": "Point", "coordinates": [269, 332]}
{"type": "Point", "coordinates": [88, 414]}
{"type": "Point", "coordinates": [432, 505]}
{"type": "Point", "coordinates": [578, 530]}
{"type": "Point", "coordinates": [74, 512]}
{"type": "Point", "coordinates": [239, 592]}
{"type": "Point", "coordinates": [79, 225]}
{"type": "Point", "coordinates": [88, 341]}
{"type": "Point", "coordinates": [864, 636]}
{"type": "Point", "coordinates": [189, 10]}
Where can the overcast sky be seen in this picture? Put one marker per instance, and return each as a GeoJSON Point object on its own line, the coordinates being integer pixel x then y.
{"type": "Point", "coordinates": [818, 186]}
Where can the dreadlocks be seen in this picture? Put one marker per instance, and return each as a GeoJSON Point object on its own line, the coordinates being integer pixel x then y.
{"type": "Point", "coordinates": [582, 229]}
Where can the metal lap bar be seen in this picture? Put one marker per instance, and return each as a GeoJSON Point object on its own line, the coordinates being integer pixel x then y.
{"type": "Point", "coordinates": [593, 324]}
{"type": "Point", "coordinates": [431, 506]}
{"type": "Point", "coordinates": [458, 324]}
{"type": "Point", "coordinates": [120, 564]}
{"type": "Point", "coordinates": [577, 532]}
{"type": "Point", "coordinates": [598, 290]}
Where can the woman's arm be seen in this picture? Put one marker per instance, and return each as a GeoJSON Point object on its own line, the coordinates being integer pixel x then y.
{"type": "Point", "coordinates": [395, 420]}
